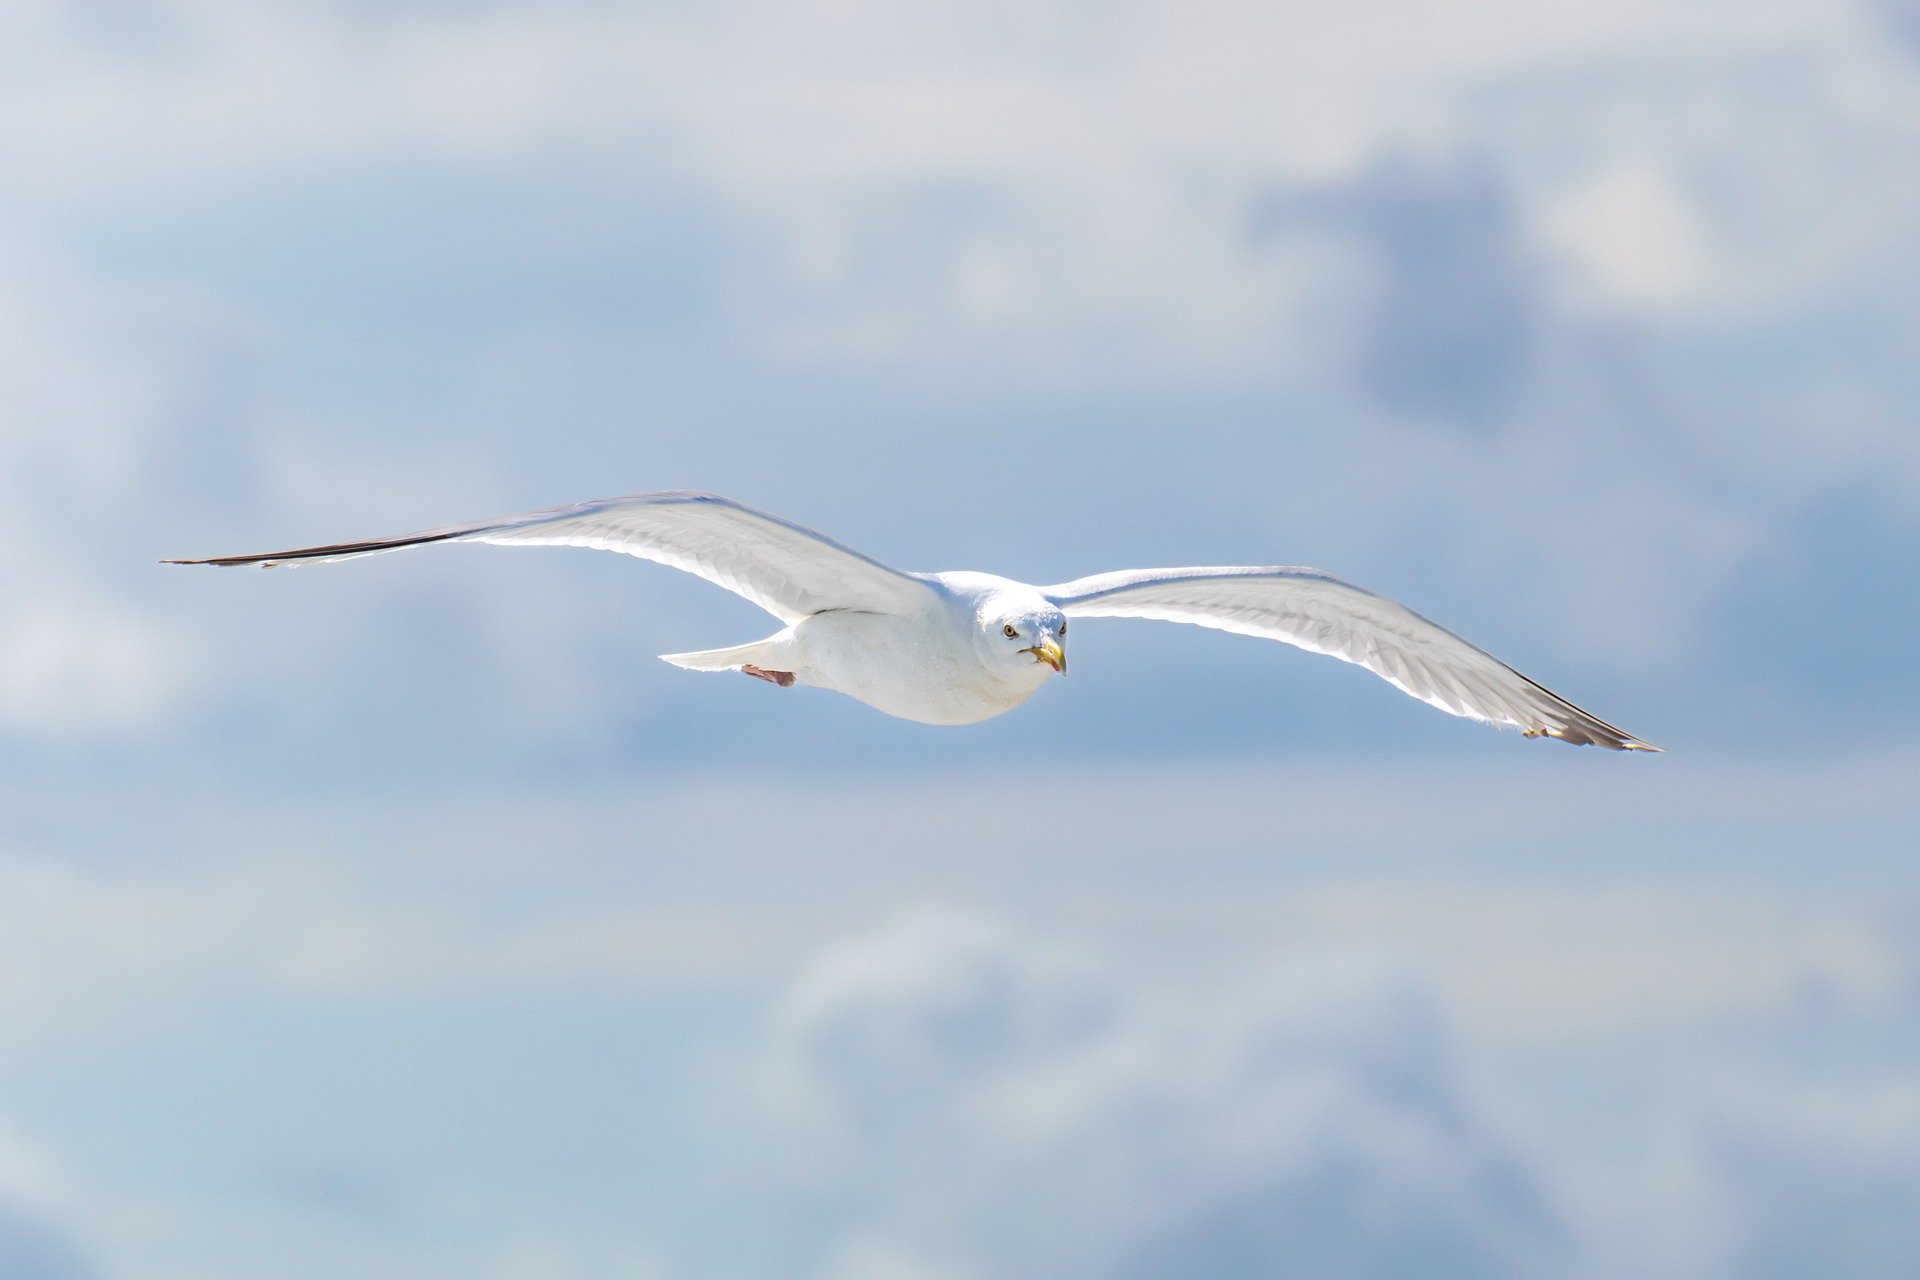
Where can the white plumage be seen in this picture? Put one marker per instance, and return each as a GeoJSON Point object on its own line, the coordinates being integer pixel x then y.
{"type": "Point", "coordinates": [954, 648]}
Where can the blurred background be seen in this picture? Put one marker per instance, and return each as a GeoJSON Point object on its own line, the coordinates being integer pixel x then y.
{"type": "Point", "coordinates": [409, 919]}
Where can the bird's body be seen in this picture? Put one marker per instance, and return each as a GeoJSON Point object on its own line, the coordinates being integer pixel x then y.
{"type": "Point", "coordinates": [922, 665]}
{"type": "Point", "coordinates": [960, 647]}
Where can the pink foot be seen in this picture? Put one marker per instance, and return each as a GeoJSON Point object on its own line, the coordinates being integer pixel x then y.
{"type": "Point", "coordinates": [782, 678]}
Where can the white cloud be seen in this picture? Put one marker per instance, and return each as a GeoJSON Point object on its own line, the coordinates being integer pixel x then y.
{"type": "Point", "coordinates": [78, 661]}
{"type": "Point", "coordinates": [72, 669]}
{"type": "Point", "coordinates": [983, 1101]}
{"type": "Point", "coordinates": [1117, 146]}
{"type": "Point", "coordinates": [1002, 1107]}
{"type": "Point", "coordinates": [100, 941]}
{"type": "Point", "coordinates": [1228, 1060]}
{"type": "Point", "coordinates": [790, 88]}
{"type": "Point", "coordinates": [1630, 237]}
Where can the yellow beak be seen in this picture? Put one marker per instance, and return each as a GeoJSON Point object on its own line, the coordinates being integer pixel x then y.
{"type": "Point", "coordinates": [1049, 652]}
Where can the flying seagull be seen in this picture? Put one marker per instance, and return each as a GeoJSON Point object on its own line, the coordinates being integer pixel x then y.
{"type": "Point", "coordinates": [961, 647]}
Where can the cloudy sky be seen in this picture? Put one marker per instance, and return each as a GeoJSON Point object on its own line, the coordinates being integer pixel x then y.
{"type": "Point", "coordinates": [407, 918]}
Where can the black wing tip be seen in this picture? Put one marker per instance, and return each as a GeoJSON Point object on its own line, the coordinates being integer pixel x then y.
{"type": "Point", "coordinates": [1582, 727]}
{"type": "Point", "coordinates": [1596, 732]}
{"type": "Point", "coordinates": [269, 559]}
{"type": "Point", "coordinates": [1594, 735]}
{"type": "Point", "coordinates": [272, 559]}
{"type": "Point", "coordinates": [1619, 744]}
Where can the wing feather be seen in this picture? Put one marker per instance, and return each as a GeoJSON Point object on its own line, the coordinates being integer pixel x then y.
{"type": "Point", "coordinates": [787, 569]}
{"type": "Point", "coordinates": [1322, 614]}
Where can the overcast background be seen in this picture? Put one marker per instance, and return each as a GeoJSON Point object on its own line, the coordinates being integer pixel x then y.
{"type": "Point", "coordinates": [408, 919]}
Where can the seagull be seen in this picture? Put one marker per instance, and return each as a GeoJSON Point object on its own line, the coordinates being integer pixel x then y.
{"type": "Point", "coordinates": [961, 647]}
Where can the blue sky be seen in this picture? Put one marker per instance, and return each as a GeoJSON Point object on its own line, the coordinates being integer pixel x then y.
{"type": "Point", "coordinates": [408, 918]}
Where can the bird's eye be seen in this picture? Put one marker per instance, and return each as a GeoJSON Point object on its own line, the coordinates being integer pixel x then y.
{"type": "Point", "coordinates": [1011, 630]}
{"type": "Point", "coordinates": [1063, 626]}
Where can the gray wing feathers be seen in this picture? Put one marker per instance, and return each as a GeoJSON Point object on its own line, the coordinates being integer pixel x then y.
{"type": "Point", "coordinates": [1322, 614]}
{"type": "Point", "coordinates": [786, 569]}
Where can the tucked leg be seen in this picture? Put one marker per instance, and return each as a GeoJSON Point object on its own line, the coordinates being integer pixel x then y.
{"type": "Point", "coordinates": [782, 678]}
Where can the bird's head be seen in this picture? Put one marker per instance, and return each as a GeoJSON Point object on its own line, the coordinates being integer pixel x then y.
{"type": "Point", "coordinates": [1024, 638]}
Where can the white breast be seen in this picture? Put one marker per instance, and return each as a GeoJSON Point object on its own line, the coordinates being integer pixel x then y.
{"type": "Point", "coordinates": [922, 668]}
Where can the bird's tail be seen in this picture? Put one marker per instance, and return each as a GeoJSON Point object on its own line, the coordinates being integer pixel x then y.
{"type": "Point", "coordinates": [759, 653]}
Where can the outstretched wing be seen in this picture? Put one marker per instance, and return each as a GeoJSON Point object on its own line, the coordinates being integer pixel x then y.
{"type": "Point", "coordinates": [1325, 615]}
{"type": "Point", "coordinates": [790, 571]}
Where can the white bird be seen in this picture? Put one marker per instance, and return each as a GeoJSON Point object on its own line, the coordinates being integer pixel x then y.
{"type": "Point", "coordinates": [961, 647]}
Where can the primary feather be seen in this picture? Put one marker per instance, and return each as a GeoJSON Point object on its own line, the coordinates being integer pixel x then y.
{"type": "Point", "coordinates": [787, 569]}
{"type": "Point", "coordinates": [1322, 614]}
